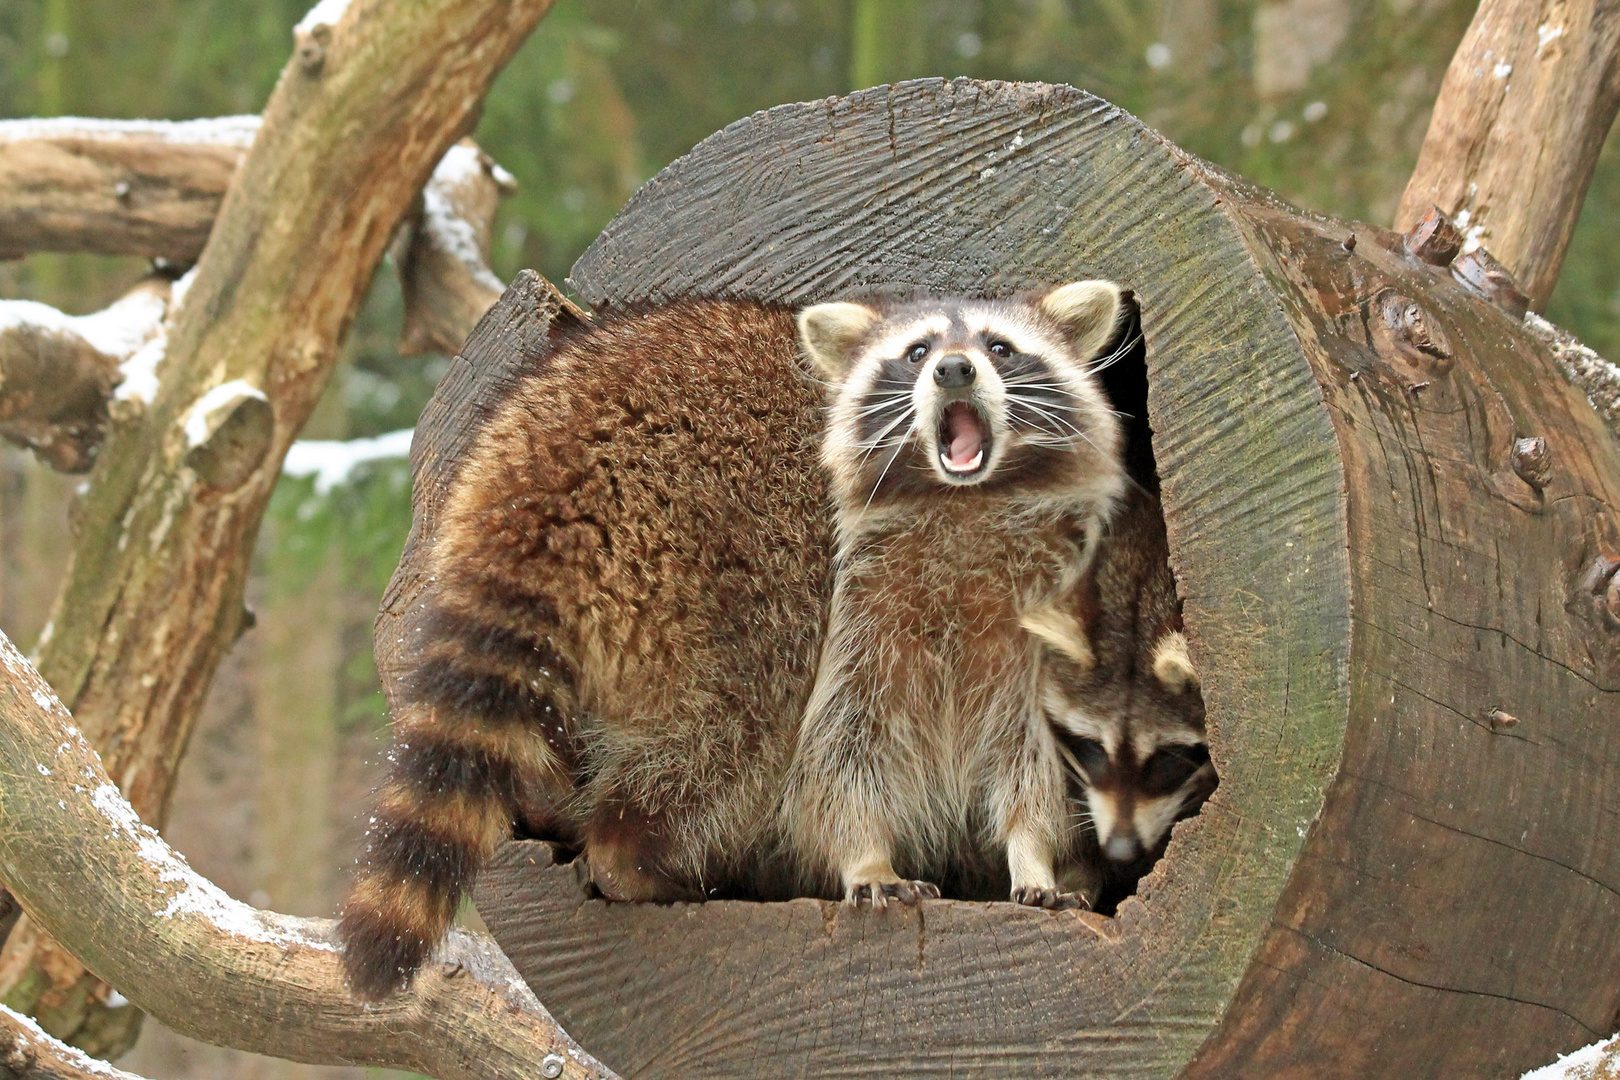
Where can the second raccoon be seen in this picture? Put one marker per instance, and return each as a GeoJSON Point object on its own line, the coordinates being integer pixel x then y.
{"type": "Point", "coordinates": [1122, 697]}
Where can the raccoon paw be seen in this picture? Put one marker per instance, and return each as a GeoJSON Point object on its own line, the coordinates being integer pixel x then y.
{"type": "Point", "coordinates": [879, 893]}
{"type": "Point", "coordinates": [1050, 899]}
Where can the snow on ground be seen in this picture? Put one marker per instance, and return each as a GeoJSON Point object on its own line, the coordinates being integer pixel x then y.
{"type": "Point", "coordinates": [1600, 1061]}
{"type": "Point", "coordinates": [330, 461]}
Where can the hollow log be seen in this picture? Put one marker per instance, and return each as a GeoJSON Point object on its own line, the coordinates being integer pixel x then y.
{"type": "Point", "coordinates": [1393, 522]}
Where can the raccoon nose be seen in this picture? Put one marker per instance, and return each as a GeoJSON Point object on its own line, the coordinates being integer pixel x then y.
{"type": "Point", "coordinates": [1122, 847]}
{"type": "Point", "coordinates": [954, 372]}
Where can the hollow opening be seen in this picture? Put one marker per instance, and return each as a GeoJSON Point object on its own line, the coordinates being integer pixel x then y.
{"type": "Point", "coordinates": [1123, 809]}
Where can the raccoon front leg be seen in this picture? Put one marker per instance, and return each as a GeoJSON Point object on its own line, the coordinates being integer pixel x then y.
{"type": "Point", "coordinates": [843, 810]}
{"type": "Point", "coordinates": [1030, 816]}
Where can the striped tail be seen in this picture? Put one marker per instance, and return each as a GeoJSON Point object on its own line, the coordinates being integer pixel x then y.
{"type": "Point", "coordinates": [479, 740]}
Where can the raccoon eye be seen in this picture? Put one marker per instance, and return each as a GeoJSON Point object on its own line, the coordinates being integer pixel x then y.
{"type": "Point", "coordinates": [1171, 767]}
{"type": "Point", "coordinates": [1001, 349]}
{"type": "Point", "coordinates": [1090, 755]}
{"type": "Point", "coordinates": [918, 352]}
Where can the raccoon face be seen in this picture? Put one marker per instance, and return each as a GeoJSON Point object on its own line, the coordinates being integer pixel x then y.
{"type": "Point", "coordinates": [1133, 739]}
{"type": "Point", "coordinates": [965, 393]}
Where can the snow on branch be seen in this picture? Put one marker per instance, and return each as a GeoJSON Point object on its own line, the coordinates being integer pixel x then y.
{"type": "Point", "coordinates": [28, 1053]}
{"type": "Point", "coordinates": [59, 373]}
{"type": "Point", "coordinates": [443, 256]}
{"type": "Point", "coordinates": [89, 872]}
{"type": "Point", "coordinates": [331, 461]}
{"type": "Point", "coordinates": [1594, 376]}
{"type": "Point", "coordinates": [1600, 1061]}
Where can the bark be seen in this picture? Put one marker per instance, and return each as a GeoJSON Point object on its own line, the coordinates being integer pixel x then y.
{"type": "Point", "coordinates": [27, 1053]}
{"type": "Point", "coordinates": [1396, 530]}
{"type": "Point", "coordinates": [444, 261]}
{"type": "Point", "coordinates": [218, 970]}
{"type": "Point", "coordinates": [116, 187]}
{"type": "Point", "coordinates": [58, 372]}
{"type": "Point", "coordinates": [1520, 120]}
{"type": "Point", "coordinates": [153, 595]}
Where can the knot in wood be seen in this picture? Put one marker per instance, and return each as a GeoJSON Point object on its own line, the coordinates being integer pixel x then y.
{"type": "Point", "coordinates": [312, 49]}
{"type": "Point", "coordinates": [1435, 239]}
{"type": "Point", "coordinates": [1532, 461]}
{"type": "Point", "coordinates": [1603, 582]}
{"type": "Point", "coordinates": [551, 1066]}
{"type": "Point", "coordinates": [229, 432]}
{"type": "Point", "coordinates": [1402, 326]}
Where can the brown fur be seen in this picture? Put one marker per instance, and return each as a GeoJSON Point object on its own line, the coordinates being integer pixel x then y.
{"type": "Point", "coordinates": [924, 734]}
{"type": "Point", "coordinates": [628, 587]}
{"type": "Point", "coordinates": [1123, 700]}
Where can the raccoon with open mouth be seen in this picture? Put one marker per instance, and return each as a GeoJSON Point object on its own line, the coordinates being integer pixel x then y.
{"type": "Point", "coordinates": [1122, 697]}
{"type": "Point", "coordinates": [972, 459]}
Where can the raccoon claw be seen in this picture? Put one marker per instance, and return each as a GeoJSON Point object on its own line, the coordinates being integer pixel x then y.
{"type": "Point", "coordinates": [1050, 899]}
{"type": "Point", "coordinates": [879, 893]}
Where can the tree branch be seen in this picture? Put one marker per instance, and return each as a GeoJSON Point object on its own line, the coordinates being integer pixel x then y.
{"type": "Point", "coordinates": [374, 95]}
{"type": "Point", "coordinates": [116, 187]}
{"type": "Point", "coordinates": [444, 257]}
{"type": "Point", "coordinates": [27, 1053]}
{"type": "Point", "coordinates": [1521, 116]}
{"type": "Point", "coordinates": [87, 870]}
{"type": "Point", "coordinates": [58, 372]}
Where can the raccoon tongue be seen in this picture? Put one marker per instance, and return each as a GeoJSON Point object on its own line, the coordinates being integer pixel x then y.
{"type": "Point", "coordinates": [966, 434]}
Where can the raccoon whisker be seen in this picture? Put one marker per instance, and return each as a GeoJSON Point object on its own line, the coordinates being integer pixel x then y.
{"type": "Point", "coordinates": [1114, 357]}
{"type": "Point", "coordinates": [883, 436]}
{"type": "Point", "coordinates": [887, 401]}
{"type": "Point", "coordinates": [886, 465]}
{"type": "Point", "coordinates": [1043, 412]}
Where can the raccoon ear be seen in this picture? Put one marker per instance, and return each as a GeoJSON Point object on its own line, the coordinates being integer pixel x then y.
{"type": "Point", "coordinates": [830, 332]}
{"type": "Point", "coordinates": [1062, 632]}
{"type": "Point", "coordinates": [1171, 664]}
{"type": "Point", "coordinates": [1087, 311]}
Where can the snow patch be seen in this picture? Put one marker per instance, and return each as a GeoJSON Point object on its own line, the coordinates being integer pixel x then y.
{"type": "Point", "coordinates": [117, 330]}
{"type": "Point", "coordinates": [1502, 71]}
{"type": "Point", "coordinates": [196, 421]}
{"type": "Point", "coordinates": [71, 1056]}
{"type": "Point", "coordinates": [325, 13]}
{"type": "Point", "coordinates": [235, 131]}
{"type": "Point", "coordinates": [331, 461]}
{"type": "Point", "coordinates": [450, 232]}
{"type": "Point", "coordinates": [1546, 35]}
{"type": "Point", "coordinates": [1583, 1064]}
{"type": "Point", "coordinates": [1473, 238]}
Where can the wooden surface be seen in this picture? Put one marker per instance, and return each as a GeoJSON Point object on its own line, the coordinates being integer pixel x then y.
{"type": "Point", "coordinates": [1410, 651]}
{"type": "Point", "coordinates": [1522, 114]}
{"type": "Point", "coordinates": [971, 187]}
{"type": "Point", "coordinates": [1456, 911]}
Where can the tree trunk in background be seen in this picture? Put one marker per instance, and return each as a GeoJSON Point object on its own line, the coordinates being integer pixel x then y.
{"type": "Point", "coordinates": [1522, 115]}
{"type": "Point", "coordinates": [886, 41]}
{"type": "Point", "coordinates": [153, 596]}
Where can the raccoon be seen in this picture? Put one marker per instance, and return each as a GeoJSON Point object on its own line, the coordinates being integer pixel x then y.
{"type": "Point", "coordinates": [1122, 698]}
{"type": "Point", "coordinates": [972, 460]}
{"type": "Point", "coordinates": [629, 579]}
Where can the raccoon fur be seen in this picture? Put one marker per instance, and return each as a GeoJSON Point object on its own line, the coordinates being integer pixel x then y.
{"type": "Point", "coordinates": [972, 459]}
{"type": "Point", "coordinates": [1122, 697]}
{"type": "Point", "coordinates": [628, 583]}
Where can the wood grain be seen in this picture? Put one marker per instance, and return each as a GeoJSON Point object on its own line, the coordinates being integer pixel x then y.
{"type": "Point", "coordinates": [991, 188]}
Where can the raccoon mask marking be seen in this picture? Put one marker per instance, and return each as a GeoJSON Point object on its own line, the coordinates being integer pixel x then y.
{"type": "Point", "coordinates": [994, 395]}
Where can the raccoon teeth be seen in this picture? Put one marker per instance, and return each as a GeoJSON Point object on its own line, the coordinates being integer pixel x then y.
{"type": "Point", "coordinates": [972, 466]}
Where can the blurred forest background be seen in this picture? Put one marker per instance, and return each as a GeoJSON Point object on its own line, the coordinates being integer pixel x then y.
{"type": "Point", "coordinates": [1325, 101]}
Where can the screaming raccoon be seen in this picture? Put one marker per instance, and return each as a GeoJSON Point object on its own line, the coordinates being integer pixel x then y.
{"type": "Point", "coordinates": [628, 582]}
{"type": "Point", "coordinates": [973, 460]}
{"type": "Point", "coordinates": [1122, 697]}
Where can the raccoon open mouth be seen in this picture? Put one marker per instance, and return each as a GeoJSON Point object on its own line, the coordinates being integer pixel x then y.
{"type": "Point", "coordinates": [964, 440]}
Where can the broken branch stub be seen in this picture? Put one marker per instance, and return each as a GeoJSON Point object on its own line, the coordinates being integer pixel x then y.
{"type": "Point", "coordinates": [88, 870]}
{"type": "Point", "coordinates": [1521, 117]}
